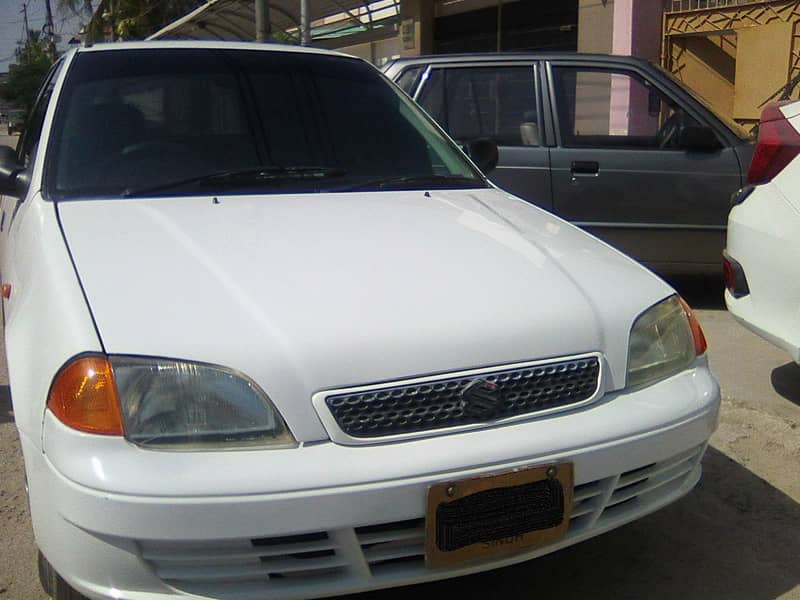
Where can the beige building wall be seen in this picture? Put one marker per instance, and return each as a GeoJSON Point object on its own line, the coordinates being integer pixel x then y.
{"type": "Point", "coordinates": [762, 65]}
{"type": "Point", "coordinates": [416, 27]}
{"type": "Point", "coordinates": [378, 52]}
{"type": "Point", "coordinates": [595, 26]}
{"type": "Point", "coordinates": [708, 67]}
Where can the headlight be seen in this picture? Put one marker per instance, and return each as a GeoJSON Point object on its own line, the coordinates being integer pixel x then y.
{"type": "Point", "coordinates": [664, 339]}
{"type": "Point", "coordinates": [173, 404]}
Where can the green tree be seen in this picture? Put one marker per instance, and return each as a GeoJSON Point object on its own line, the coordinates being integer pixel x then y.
{"type": "Point", "coordinates": [25, 75]}
{"type": "Point", "coordinates": [132, 19]}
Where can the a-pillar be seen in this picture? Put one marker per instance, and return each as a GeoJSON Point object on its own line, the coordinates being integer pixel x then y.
{"type": "Point", "coordinates": [416, 27]}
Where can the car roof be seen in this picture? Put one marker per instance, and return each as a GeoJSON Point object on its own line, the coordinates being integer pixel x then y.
{"type": "Point", "coordinates": [209, 45]}
{"type": "Point", "coordinates": [513, 56]}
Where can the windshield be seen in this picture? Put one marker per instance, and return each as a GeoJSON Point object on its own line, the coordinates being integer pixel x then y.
{"type": "Point", "coordinates": [206, 121]}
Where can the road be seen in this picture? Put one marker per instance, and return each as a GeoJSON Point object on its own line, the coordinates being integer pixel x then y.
{"type": "Point", "coordinates": [734, 538]}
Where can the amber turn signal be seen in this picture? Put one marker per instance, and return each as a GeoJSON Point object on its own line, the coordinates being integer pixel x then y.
{"type": "Point", "coordinates": [84, 396]}
{"type": "Point", "coordinates": [700, 344]}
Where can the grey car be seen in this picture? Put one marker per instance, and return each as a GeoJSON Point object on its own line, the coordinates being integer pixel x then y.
{"type": "Point", "coordinates": [613, 144]}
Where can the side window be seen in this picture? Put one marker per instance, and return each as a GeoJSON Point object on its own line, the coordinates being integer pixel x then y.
{"type": "Point", "coordinates": [616, 109]}
{"type": "Point", "coordinates": [29, 141]}
{"type": "Point", "coordinates": [408, 79]}
{"type": "Point", "coordinates": [493, 102]}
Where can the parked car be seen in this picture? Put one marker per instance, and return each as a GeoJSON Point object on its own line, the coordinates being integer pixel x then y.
{"type": "Point", "coordinates": [613, 144]}
{"type": "Point", "coordinates": [16, 122]}
{"type": "Point", "coordinates": [257, 351]}
{"type": "Point", "coordinates": [763, 246]}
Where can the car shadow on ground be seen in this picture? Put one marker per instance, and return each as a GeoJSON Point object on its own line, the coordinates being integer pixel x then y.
{"type": "Point", "coordinates": [6, 412]}
{"type": "Point", "coordinates": [701, 292]}
{"type": "Point", "coordinates": [786, 381]}
{"type": "Point", "coordinates": [733, 538]}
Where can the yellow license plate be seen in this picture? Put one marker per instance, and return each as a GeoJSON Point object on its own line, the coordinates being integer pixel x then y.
{"type": "Point", "coordinates": [495, 515]}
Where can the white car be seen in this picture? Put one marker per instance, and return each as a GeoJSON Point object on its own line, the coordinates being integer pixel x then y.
{"type": "Point", "coordinates": [763, 245]}
{"type": "Point", "coordinates": [270, 334]}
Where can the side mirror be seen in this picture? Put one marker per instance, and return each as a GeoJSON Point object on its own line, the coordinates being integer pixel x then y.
{"type": "Point", "coordinates": [483, 153]}
{"type": "Point", "coordinates": [13, 176]}
{"type": "Point", "coordinates": [699, 139]}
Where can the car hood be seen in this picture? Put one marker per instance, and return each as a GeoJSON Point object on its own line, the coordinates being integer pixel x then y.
{"type": "Point", "coordinates": [318, 291]}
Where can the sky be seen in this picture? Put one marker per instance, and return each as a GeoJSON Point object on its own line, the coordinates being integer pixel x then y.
{"type": "Point", "coordinates": [11, 27]}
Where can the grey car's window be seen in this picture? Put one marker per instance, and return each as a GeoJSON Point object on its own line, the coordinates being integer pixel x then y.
{"type": "Point", "coordinates": [408, 79]}
{"type": "Point", "coordinates": [484, 102]}
{"type": "Point", "coordinates": [616, 109]}
{"type": "Point", "coordinates": [139, 120]}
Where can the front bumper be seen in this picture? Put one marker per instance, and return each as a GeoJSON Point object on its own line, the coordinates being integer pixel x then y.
{"type": "Point", "coordinates": [326, 519]}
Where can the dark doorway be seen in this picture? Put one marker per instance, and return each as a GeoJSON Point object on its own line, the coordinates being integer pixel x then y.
{"type": "Point", "coordinates": [526, 25]}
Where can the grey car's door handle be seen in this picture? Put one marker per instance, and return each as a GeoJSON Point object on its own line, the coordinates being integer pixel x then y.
{"type": "Point", "coordinates": [585, 167]}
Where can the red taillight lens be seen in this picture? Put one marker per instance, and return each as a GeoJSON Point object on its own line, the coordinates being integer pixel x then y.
{"type": "Point", "coordinates": [778, 144]}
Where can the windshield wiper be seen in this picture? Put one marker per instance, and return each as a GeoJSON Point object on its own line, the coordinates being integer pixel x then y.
{"type": "Point", "coordinates": [407, 182]}
{"type": "Point", "coordinates": [243, 177]}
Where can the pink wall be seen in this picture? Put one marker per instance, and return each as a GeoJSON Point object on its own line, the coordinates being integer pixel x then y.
{"type": "Point", "coordinates": [637, 32]}
{"type": "Point", "coordinates": [637, 28]}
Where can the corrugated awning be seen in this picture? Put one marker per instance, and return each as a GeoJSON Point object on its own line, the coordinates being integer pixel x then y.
{"type": "Point", "coordinates": [236, 19]}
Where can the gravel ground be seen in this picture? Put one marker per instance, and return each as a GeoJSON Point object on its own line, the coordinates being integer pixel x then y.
{"type": "Point", "coordinates": [734, 538]}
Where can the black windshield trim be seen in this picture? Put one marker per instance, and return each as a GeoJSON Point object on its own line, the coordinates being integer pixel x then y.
{"type": "Point", "coordinates": [416, 182]}
{"type": "Point", "coordinates": [243, 178]}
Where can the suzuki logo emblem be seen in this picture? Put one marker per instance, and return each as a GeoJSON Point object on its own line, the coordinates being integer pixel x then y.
{"type": "Point", "coordinates": [481, 399]}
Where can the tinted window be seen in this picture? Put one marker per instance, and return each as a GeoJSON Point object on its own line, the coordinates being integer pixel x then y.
{"type": "Point", "coordinates": [33, 130]}
{"type": "Point", "coordinates": [408, 79]}
{"type": "Point", "coordinates": [494, 102]}
{"type": "Point", "coordinates": [616, 109]}
{"type": "Point", "coordinates": [132, 120]}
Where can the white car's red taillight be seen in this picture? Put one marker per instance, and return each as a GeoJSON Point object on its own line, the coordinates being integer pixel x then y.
{"type": "Point", "coordinates": [778, 144]}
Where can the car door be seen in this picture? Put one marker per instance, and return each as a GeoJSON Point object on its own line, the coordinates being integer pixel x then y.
{"type": "Point", "coordinates": [27, 146]}
{"type": "Point", "coordinates": [499, 101]}
{"type": "Point", "coordinates": [622, 168]}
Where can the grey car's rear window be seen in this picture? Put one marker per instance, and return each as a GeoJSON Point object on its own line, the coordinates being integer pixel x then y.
{"type": "Point", "coordinates": [133, 120]}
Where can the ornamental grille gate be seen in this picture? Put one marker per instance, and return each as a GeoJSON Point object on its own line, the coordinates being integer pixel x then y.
{"type": "Point", "coordinates": [737, 54]}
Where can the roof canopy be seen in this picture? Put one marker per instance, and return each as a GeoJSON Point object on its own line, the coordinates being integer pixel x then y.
{"type": "Point", "coordinates": [236, 19]}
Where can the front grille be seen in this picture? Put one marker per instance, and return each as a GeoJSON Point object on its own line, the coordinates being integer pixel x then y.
{"type": "Point", "coordinates": [441, 403]}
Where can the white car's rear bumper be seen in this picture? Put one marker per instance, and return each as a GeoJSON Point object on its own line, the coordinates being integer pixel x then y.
{"type": "Point", "coordinates": [762, 238]}
{"type": "Point", "coordinates": [352, 519]}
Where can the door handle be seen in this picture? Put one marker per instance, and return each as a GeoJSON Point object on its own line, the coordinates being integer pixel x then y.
{"type": "Point", "coordinates": [585, 167]}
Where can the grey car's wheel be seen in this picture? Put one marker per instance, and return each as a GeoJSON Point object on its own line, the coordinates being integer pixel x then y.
{"type": "Point", "coordinates": [53, 584]}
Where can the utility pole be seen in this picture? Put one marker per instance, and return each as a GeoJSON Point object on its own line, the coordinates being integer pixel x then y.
{"type": "Point", "coordinates": [263, 25]}
{"type": "Point", "coordinates": [499, 25]}
{"type": "Point", "coordinates": [49, 30]}
{"type": "Point", "coordinates": [305, 29]}
{"type": "Point", "coordinates": [27, 27]}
